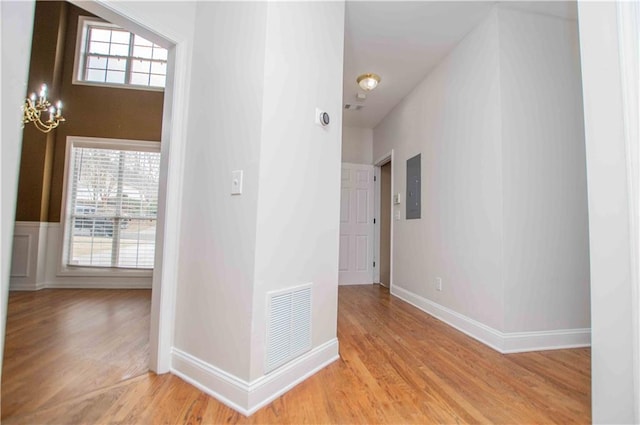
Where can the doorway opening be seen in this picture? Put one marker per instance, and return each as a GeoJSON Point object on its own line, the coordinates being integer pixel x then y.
{"type": "Point", "coordinates": [383, 229]}
{"type": "Point", "coordinates": [151, 324]}
{"type": "Point", "coordinates": [385, 225]}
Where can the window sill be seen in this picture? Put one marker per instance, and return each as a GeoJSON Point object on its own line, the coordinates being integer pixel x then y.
{"type": "Point", "coordinates": [77, 271]}
{"type": "Point", "coordinates": [118, 86]}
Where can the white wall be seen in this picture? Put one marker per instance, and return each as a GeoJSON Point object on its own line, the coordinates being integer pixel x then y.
{"type": "Point", "coordinates": [16, 24]}
{"type": "Point", "coordinates": [504, 213]}
{"type": "Point", "coordinates": [299, 197]}
{"type": "Point", "coordinates": [357, 145]}
{"type": "Point", "coordinates": [614, 398]}
{"type": "Point", "coordinates": [218, 234]}
{"type": "Point", "coordinates": [253, 110]}
{"type": "Point", "coordinates": [453, 119]}
{"type": "Point", "coordinates": [546, 240]}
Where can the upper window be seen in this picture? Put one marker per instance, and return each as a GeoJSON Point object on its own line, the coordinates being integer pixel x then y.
{"type": "Point", "coordinates": [109, 55]}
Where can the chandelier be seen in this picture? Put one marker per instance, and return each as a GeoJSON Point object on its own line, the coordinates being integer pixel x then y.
{"type": "Point", "coordinates": [34, 107]}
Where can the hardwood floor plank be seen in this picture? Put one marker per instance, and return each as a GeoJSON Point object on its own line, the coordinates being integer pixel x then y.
{"type": "Point", "coordinates": [84, 339]}
{"type": "Point", "coordinates": [80, 356]}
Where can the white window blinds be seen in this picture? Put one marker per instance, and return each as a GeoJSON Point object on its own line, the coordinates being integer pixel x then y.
{"type": "Point", "coordinates": [112, 207]}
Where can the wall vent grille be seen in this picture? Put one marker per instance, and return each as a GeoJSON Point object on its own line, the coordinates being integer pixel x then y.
{"type": "Point", "coordinates": [288, 326]}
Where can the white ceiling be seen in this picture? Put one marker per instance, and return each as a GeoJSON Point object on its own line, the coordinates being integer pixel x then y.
{"type": "Point", "coordinates": [402, 41]}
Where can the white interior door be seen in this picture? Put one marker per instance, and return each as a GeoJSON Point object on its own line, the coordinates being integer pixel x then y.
{"type": "Point", "coordinates": [356, 225]}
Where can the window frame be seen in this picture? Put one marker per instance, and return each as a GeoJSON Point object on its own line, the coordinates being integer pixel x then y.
{"type": "Point", "coordinates": [65, 269]}
{"type": "Point", "coordinates": [80, 57]}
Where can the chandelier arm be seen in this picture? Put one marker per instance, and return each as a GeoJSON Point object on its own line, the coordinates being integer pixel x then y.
{"type": "Point", "coordinates": [45, 128]}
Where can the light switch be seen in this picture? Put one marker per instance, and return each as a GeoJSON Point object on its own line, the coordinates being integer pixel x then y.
{"type": "Point", "coordinates": [397, 215]}
{"type": "Point", "coordinates": [236, 182]}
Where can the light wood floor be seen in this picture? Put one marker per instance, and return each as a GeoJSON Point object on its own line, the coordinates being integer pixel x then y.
{"type": "Point", "coordinates": [80, 357]}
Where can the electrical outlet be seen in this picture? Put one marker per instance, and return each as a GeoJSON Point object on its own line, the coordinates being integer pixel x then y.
{"type": "Point", "coordinates": [438, 284]}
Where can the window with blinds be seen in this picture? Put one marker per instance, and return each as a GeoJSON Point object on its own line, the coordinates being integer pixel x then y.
{"type": "Point", "coordinates": [112, 204]}
{"type": "Point", "coordinates": [110, 55]}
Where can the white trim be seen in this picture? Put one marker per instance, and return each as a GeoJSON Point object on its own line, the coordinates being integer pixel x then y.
{"type": "Point", "coordinates": [388, 157]}
{"type": "Point", "coordinates": [247, 397]}
{"type": "Point", "coordinates": [91, 284]}
{"type": "Point", "coordinates": [521, 342]}
{"type": "Point", "coordinates": [219, 384]}
{"type": "Point", "coordinates": [24, 286]}
{"type": "Point", "coordinates": [503, 342]}
{"type": "Point", "coordinates": [112, 272]}
{"type": "Point", "coordinates": [376, 226]}
{"type": "Point", "coordinates": [629, 45]}
{"type": "Point", "coordinates": [172, 170]}
{"type": "Point", "coordinates": [109, 143]}
{"type": "Point", "coordinates": [32, 224]}
{"type": "Point", "coordinates": [119, 86]}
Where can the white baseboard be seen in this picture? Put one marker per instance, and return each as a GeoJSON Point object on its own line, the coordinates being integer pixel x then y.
{"type": "Point", "coordinates": [247, 397]}
{"type": "Point", "coordinates": [26, 286]}
{"type": "Point", "coordinates": [519, 342]}
{"type": "Point", "coordinates": [510, 342]}
{"type": "Point", "coordinates": [226, 388]}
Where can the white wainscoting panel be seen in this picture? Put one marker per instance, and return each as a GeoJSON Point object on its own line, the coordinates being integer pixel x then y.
{"type": "Point", "coordinates": [503, 342]}
{"type": "Point", "coordinates": [37, 259]}
{"type": "Point", "coordinates": [28, 257]}
{"type": "Point", "coordinates": [20, 258]}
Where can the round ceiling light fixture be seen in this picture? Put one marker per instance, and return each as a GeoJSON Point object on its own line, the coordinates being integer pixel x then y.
{"type": "Point", "coordinates": [368, 82]}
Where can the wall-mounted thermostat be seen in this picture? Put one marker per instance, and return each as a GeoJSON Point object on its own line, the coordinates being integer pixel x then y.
{"type": "Point", "coordinates": [322, 118]}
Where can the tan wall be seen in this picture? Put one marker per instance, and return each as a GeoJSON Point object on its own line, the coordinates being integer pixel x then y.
{"type": "Point", "coordinates": [37, 147]}
{"type": "Point", "coordinates": [90, 111]}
